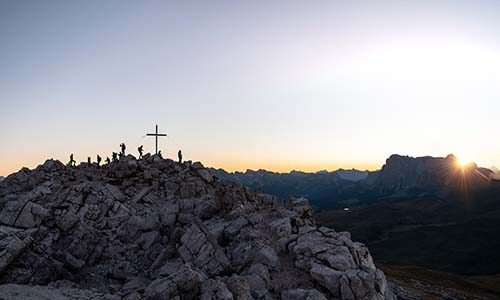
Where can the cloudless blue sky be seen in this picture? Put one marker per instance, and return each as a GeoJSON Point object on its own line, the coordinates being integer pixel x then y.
{"type": "Point", "coordinates": [250, 84]}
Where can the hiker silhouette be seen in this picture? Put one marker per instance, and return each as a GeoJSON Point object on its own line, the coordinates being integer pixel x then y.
{"type": "Point", "coordinates": [72, 162]}
{"type": "Point", "coordinates": [140, 151]}
{"type": "Point", "coordinates": [123, 147]}
{"type": "Point", "coordinates": [179, 154]}
{"type": "Point", "coordinates": [99, 159]}
{"type": "Point", "coordinates": [159, 154]}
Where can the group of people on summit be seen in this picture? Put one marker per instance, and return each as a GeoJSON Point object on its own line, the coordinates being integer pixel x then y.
{"type": "Point", "coordinates": [116, 156]}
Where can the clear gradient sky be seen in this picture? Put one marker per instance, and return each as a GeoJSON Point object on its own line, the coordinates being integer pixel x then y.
{"type": "Point", "coordinates": [280, 85]}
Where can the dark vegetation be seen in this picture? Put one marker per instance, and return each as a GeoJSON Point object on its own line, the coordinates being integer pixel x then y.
{"type": "Point", "coordinates": [436, 285]}
{"type": "Point", "coordinates": [459, 234]}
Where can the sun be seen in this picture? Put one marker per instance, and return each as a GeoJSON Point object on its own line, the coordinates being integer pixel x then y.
{"type": "Point", "coordinates": [462, 162]}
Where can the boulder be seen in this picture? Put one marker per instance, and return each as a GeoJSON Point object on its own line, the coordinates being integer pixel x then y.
{"type": "Point", "coordinates": [31, 215]}
{"type": "Point", "coordinates": [161, 289]}
{"type": "Point", "coordinates": [301, 294]}
{"type": "Point", "coordinates": [268, 257]}
{"type": "Point", "coordinates": [200, 247]}
{"type": "Point", "coordinates": [25, 292]}
{"type": "Point", "coordinates": [215, 290]}
{"type": "Point", "coordinates": [205, 175]}
{"type": "Point", "coordinates": [12, 244]}
{"type": "Point", "coordinates": [115, 192]}
{"type": "Point", "coordinates": [147, 239]}
{"type": "Point", "coordinates": [11, 211]}
{"type": "Point", "coordinates": [239, 287]}
{"type": "Point", "coordinates": [188, 279]}
{"type": "Point", "coordinates": [234, 227]}
{"type": "Point", "coordinates": [327, 277]}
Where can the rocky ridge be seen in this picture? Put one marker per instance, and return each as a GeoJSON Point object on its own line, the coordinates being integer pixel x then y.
{"type": "Point", "coordinates": [157, 229]}
{"type": "Point", "coordinates": [401, 177]}
{"type": "Point", "coordinates": [403, 173]}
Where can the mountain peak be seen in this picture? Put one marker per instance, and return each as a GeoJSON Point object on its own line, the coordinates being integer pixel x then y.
{"type": "Point", "coordinates": [157, 229]}
{"type": "Point", "coordinates": [428, 173]}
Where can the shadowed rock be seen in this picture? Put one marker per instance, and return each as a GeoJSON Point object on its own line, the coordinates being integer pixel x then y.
{"type": "Point", "coordinates": [157, 229]}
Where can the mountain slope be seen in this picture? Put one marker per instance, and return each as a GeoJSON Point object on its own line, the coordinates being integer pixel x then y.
{"type": "Point", "coordinates": [401, 177]}
{"type": "Point", "coordinates": [156, 229]}
{"type": "Point", "coordinates": [429, 175]}
{"type": "Point", "coordinates": [456, 234]}
{"type": "Point", "coordinates": [323, 189]}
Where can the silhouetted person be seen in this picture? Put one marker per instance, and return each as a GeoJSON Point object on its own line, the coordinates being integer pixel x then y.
{"type": "Point", "coordinates": [179, 154]}
{"type": "Point", "coordinates": [159, 154]}
{"type": "Point", "coordinates": [72, 162]}
{"type": "Point", "coordinates": [88, 160]}
{"type": "Point", "coordinates": [107, 160]}
{"type": "Point", "coordinates": [306, 214]}
{"type": "Point", "coordinates": [115, 156]}
{"type": "Point", "coordinates": [140, 151]}
{"type": "Point", "coordinates": [122, 146]}
{"type": "Point", "coordinates": [99, 159]}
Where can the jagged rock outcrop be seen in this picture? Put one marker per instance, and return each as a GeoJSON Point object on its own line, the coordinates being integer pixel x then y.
{"type": "Point", "coordinates": [428, 174]}
{"type": "Point", "coordinates": [157, 229]}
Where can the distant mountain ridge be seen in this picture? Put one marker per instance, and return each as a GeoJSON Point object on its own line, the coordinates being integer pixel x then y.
{"type": "Point", "coordinates": [321, 187]}
{"type": "Point", "coordinates": [400, 177]}
{"type": "Point", "coordinates": [352, 174]}
{"type": "Point", "coordinates": [496, 173]}
{"type": "Point", "coordinates": [428, 174]}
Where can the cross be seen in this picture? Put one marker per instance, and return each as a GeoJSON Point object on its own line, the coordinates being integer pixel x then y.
{"type": "Point", "coordinates": [156, 135]}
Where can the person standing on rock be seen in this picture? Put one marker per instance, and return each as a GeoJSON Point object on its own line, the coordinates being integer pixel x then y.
{"type": "Point", "coordinates": [140, 151]}
{"type": "Point", "coordinates": [72, 162]}
{"type": "Point", "coordinates": [159, 154]}
{"type": "Point", "coordinates": [179, 154]}
{"type": "Point", "coordinates": [115, 156]}
{"type": "Point", "coordinates": [99, 159]}
{"type": "Point", "coordinates": [307, 214]}
{"type": "Point", "coordinates": [123, 147]}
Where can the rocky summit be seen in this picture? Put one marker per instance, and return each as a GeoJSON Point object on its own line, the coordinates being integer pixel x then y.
{"type": "Point", "coordinates": [157, 229]}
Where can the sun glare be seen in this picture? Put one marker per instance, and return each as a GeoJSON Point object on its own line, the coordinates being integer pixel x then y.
{"type": "Point", "coordinates": [462, 163]}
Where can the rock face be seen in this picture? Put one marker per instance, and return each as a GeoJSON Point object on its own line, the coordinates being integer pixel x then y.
{"type": "Point", "coordinates": [402, 177]}
{"type": "Point", "coordinates": [157, 229]}
{"type": "Point", "coordinates": [430, 174]}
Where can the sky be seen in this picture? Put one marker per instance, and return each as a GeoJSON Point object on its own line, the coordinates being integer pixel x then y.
{"type": "Point", "coordinates": [280, 85]}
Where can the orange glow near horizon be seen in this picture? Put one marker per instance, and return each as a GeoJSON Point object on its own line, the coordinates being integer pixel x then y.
{"type": "Point", "coordinates": [215, 162]}
{"type": "Point", "coordinates": [288, 167]}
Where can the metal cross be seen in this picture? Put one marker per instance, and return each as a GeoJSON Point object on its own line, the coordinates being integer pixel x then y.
{"type": "Point", "coordinates": [156, 135]}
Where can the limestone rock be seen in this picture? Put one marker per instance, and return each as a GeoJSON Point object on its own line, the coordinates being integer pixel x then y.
{"type": "Point", "coordinates": [215, 290]}
{"type": "Point", "coordinates": [157, 229]}
{"type": "Point", "coordinates": [24, 292]}
{"type": "Point", "coordinates": [268, 257]}
{"type": "Point", "coordinates": [300, 294]}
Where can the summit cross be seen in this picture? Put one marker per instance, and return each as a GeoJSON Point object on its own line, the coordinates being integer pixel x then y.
{"type": "Point", "coordinates": [156, 135]}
